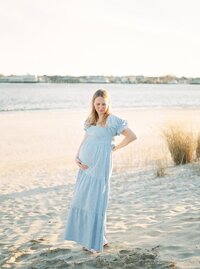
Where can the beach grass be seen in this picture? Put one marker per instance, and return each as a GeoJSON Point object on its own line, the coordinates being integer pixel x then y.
{"type": "Point", "coordinates": [161, 167]}
{"type": "Point", "coordinates": [198, 147]}
{"type": "Point", "coordinates": [181, 143]}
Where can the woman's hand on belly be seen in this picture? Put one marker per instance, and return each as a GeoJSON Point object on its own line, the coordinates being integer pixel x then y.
{"type": "Point", "coordinates": [80, 164]}
{"type": "Point", "coordinates": [83, 166]}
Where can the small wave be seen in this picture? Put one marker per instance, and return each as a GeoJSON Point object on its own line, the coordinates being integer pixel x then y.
{"type": "Point", "coordinates": [32, 109]}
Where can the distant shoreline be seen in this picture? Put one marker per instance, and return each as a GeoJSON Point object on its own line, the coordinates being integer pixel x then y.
{"type": "Point", "coordinates": [167, 79]}
{"type": "Point", "coordinates": [153, 83]}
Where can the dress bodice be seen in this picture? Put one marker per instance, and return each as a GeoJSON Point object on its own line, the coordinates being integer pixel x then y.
{"type": "Point", "coordinates": [114, 126]}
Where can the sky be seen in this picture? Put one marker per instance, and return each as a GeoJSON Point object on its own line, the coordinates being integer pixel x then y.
{"type": "Point", "coordinates": [100, 37]}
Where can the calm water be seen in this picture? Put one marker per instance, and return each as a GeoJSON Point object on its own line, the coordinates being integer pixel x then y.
{"type": "Point", "coordinates": [18, 97]}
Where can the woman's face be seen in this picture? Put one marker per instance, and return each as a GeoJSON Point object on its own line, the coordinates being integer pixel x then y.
{"type": "Point", "coordinates": [101, 105]}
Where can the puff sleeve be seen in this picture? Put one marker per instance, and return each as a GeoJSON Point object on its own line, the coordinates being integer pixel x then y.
{"type": "Point", "coordinates": [117, 125]}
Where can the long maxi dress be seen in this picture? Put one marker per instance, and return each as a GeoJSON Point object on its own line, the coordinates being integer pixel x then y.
{"type": "Point", "coordinates": [86, 220]}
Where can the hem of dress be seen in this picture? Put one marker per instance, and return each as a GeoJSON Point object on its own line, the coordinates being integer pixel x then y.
{"type": "Point", "coordinates": [73, 236]}
{"type": "Point", "coordinates": [84, 245]}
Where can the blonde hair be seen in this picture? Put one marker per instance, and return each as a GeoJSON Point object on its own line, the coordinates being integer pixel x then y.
{"type": "Point", "coordinates": [93, 116]}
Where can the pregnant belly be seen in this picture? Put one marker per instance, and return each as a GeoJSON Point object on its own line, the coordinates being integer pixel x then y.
{"type": "Point", "coordinates": [88, 154]}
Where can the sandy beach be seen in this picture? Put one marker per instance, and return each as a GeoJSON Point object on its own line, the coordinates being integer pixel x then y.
{"type": "Point", "coordinates": [152, 222]}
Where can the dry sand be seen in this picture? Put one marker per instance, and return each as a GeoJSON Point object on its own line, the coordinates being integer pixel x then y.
{"type": "Point", "coordinates": [151, 222]}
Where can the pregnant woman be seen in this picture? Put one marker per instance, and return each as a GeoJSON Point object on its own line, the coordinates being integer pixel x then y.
{"type": "Point", "coordinates": [86, 221]}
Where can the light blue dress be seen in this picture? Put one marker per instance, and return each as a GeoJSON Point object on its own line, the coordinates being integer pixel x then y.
{"type": "Point", "coordinates": [86, 220]}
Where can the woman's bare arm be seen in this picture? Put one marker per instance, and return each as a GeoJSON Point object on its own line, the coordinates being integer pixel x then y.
{"type": "Point", "coordinates": [130, 136]}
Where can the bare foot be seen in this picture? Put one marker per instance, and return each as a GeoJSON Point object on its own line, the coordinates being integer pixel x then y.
{"type": "Point", "coordinates": [94, 251]}
{"type": "Point", "coordinates": [91, 251]}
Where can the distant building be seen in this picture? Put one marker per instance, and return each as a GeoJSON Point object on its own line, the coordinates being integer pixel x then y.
{"type": "Point", "coordinates": [97, 79]}
{"type": "Point", "coordinates": [124, 79]}
{"type": "Point", "coordinates": [195, 81]}
{"type": "Point", "coordinates": [132, 79]}
{"type": "Point", "coordinates": [19, 79]}
{"type": "Point", "coordinates": [83, 80]}
{"type": "Point", "coordinates": [140, 79]}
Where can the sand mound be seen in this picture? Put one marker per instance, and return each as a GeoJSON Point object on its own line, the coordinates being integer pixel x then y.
{"type": "Point", "coordinates": [39, 254]}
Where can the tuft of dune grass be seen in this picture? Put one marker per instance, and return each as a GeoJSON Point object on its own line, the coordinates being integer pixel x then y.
{"type": "Point", "coordinates": [181, 144]}
{"type": "Point", "coordinates": [198, 147]}
{"type": "Point", "coordinates": [161, 167]}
